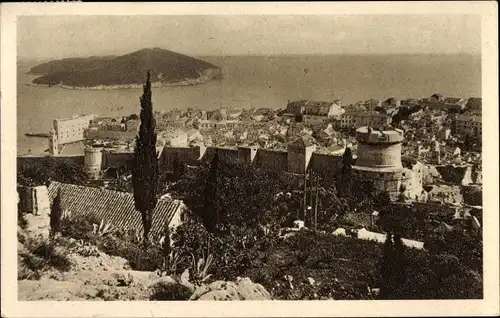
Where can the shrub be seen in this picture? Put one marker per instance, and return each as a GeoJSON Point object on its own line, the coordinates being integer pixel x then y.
{"type": "Point", "coordinates": [40, 256]}
{"type": "Point", "coordinates": [79, 227]}
{"type": "Point", "coordinates": [168, 291]}
{"type": "Point", "coordinates": [21, 221]}
{"type": "Point", "coordinates": [139, 258]}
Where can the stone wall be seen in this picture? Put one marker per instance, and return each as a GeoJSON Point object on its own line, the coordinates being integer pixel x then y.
{"type": "Point", "coordinates": [227, 155]}
{"type": "Point", "coordinates": [388, 181]}
{"type": "Point", "coordinates": [272, 160]}
{"type": "Point", "coordinates": [34, 200]}
{"type": "Point", "coordinates": [110, 134]}
{"type": "Point", "coordinates": [117, 160]}
{"type": "Point", "coordinates": [326, 164]}
{"type": "Point", "coordinates": [379, 155]}
{"type": "Point", "coordinates": [185, 155]}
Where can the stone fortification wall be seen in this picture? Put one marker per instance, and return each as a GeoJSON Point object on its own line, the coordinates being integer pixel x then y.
{"type": "Point", "coordinates": [185, 155]}
{"type": "Point", "coordinates": [121, 160]}
{"type": "Point", "coordinates": [390, 181]}
{"type": "Point", "coordinates": [276, 160]}
{"type": "Point", "coordinates": [379, 155]}
{"type": "Point", "coordinates": [110, 134]}
{"type": "Point", "coordinates": [228, 155]}
{"type": "Point", "coordinates": [272, 159]}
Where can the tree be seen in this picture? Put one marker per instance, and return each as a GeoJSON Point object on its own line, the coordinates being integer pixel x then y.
{"type": "Point", "coordinates": [145, 169]}
{"type": "Point", "coordinates": [178, 168]}
{"type": "Point", "coordinates": [346, 171]}
{"type": "Point", "coordinates": [211, 213]}
{"type": "Point", "coordinates": [55, 215]}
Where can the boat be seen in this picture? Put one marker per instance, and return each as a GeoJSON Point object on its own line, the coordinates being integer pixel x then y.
{"type": "Point", "coordinates": [41, 135]}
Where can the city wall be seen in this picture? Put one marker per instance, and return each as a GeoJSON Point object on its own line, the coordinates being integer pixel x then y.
{"type": "Point", "coordinates": [110, 134]}
{"type": "Point", "coordinates": [120, 160]}
{"type": "Point", "coordinates": [268, 159]}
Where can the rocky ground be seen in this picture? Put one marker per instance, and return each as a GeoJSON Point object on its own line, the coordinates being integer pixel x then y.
{"type": "Point", "coordinates": [104, 277]}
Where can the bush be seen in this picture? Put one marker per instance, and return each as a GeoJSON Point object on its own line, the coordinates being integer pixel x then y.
{"type": "Point", "coordinates": [41, 256]}
{"type": "Point", "coordinates": [21, 221]}
{"type": "Point", "coordinates": [168, 291]}
{"type": "Point", "coordinates": [79, 226]}
{"type": "Point", "coordinates": [139, 258]}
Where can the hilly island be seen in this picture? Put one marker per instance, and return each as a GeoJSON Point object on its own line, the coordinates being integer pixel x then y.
{"type": "Point", "coordinates": [127, 71]}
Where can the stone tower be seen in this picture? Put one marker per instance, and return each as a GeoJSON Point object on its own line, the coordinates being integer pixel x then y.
{"type": "Point", "coordinates": [93, 162]}
{"type": "Point", "coordinates": [379, 159]}
{"type": "Point", "coordinates": [299, 154]}
{"type": "Point", "coordinates": [53, 143]}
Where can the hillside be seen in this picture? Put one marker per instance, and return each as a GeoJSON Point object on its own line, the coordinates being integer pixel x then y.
{"type": "Point", "coordinates": [71, 65]}
{"type": "Point", "coordinates": [166, 67]}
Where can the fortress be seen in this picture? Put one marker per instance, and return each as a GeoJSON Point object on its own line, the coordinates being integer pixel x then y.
{"type": "Point", "coordinates": [379, 160]}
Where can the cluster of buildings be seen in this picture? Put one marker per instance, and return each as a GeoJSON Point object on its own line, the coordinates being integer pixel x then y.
{"type": "Point", "coordinates": [306, 137]}
{"type": "Point", "coordinates": [433, 134]}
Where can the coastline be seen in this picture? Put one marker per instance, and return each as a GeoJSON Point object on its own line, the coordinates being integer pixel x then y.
{"type": "Point", "coordinates": [158, 84]}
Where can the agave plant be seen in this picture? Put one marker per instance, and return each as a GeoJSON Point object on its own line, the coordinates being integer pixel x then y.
{"type": "Point", "coordinates": [102, 229]}
{"type": "Point", "coordinates": [201, 268]}
{"type": "Point", "coordinates": [172, 261]}
{"type": "Point", "coordinates": [66, 215]}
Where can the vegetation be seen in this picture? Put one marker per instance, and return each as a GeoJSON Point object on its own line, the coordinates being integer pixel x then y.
{"type": "Point", "coordinates": [145, 170]}
{"type": "Point", "coordinates": [40, 255]}
{"type": "Point", "coordinates": [127, 69]}
{"type": "Point", "coordinates": [168, 291]}
{"type": "Point", "coordinates": [56, 215]}
{"type": "Point", "coordinates": [49, 169]}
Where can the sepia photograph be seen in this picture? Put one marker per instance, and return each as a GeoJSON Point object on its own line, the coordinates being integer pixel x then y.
{"type": "Point", "coordinates": [212, 156]}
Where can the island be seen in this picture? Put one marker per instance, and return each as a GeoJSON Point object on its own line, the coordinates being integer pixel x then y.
{"type": "Point", "coordinates": [127, 71]}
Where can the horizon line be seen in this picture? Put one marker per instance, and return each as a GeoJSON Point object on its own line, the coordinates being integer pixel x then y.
{"type": "Point", "coordinates": [478, 54]}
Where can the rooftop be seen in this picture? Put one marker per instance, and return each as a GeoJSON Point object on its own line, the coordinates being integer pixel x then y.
{"type": "Point", "coordinates": [384, 135]}
{"type": "Point", "coordinates": [114, 207]}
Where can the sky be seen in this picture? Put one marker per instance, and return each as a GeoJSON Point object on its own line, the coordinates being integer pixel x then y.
{"type": "Point", "coordinates": [53, 37]}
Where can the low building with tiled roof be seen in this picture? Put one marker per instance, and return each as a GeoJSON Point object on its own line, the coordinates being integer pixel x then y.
{"type": "Point", "coordinates": [357, 119]}
{"type": "Point", "coordinates": [116, 207]}
{"type": "Point", "coordinates": [316, 108]}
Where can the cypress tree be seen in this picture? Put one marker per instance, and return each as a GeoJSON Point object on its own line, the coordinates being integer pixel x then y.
{"type": "Point", "coordinates": [345, 173]}
{"type": "Point", "coordinates": [145, 169]}
{"type": "Point", "coordinates": [211, 213]}
{"type": "Point", "coordinates": [55, 215]}
{"type": "Point", "coordinates": [166, 249]}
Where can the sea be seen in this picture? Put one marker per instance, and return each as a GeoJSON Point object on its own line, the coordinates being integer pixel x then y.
{"type": "Point", "coordinates": [255, 81]}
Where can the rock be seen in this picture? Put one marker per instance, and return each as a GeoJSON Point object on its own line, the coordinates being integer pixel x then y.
{"type": "Point", "coordinates": [121, 279]}
{"type": "Point", "coordinates": [162, 280]}
{"type": "Point", "coordinates": [200, 291]}
{"type": "Point", "coordinates": [37, 225]}
{"type": "Point", "coordinates": [339, 232]}
{"type": "Point", "coordinates": [185, 281]}
{"type": "Point", "coordinates": [242, 289]}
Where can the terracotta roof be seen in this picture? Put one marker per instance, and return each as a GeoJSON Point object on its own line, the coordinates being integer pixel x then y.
{"type": "Point", "coordinates": [114, 207]}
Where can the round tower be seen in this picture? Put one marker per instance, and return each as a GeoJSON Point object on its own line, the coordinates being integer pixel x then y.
{"type": "Point", "coordinates": [379, 159]}
{"type": "Point", "coordinates": [93, 162]}
{"type": "Point", "coordinates": [379, 148]}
